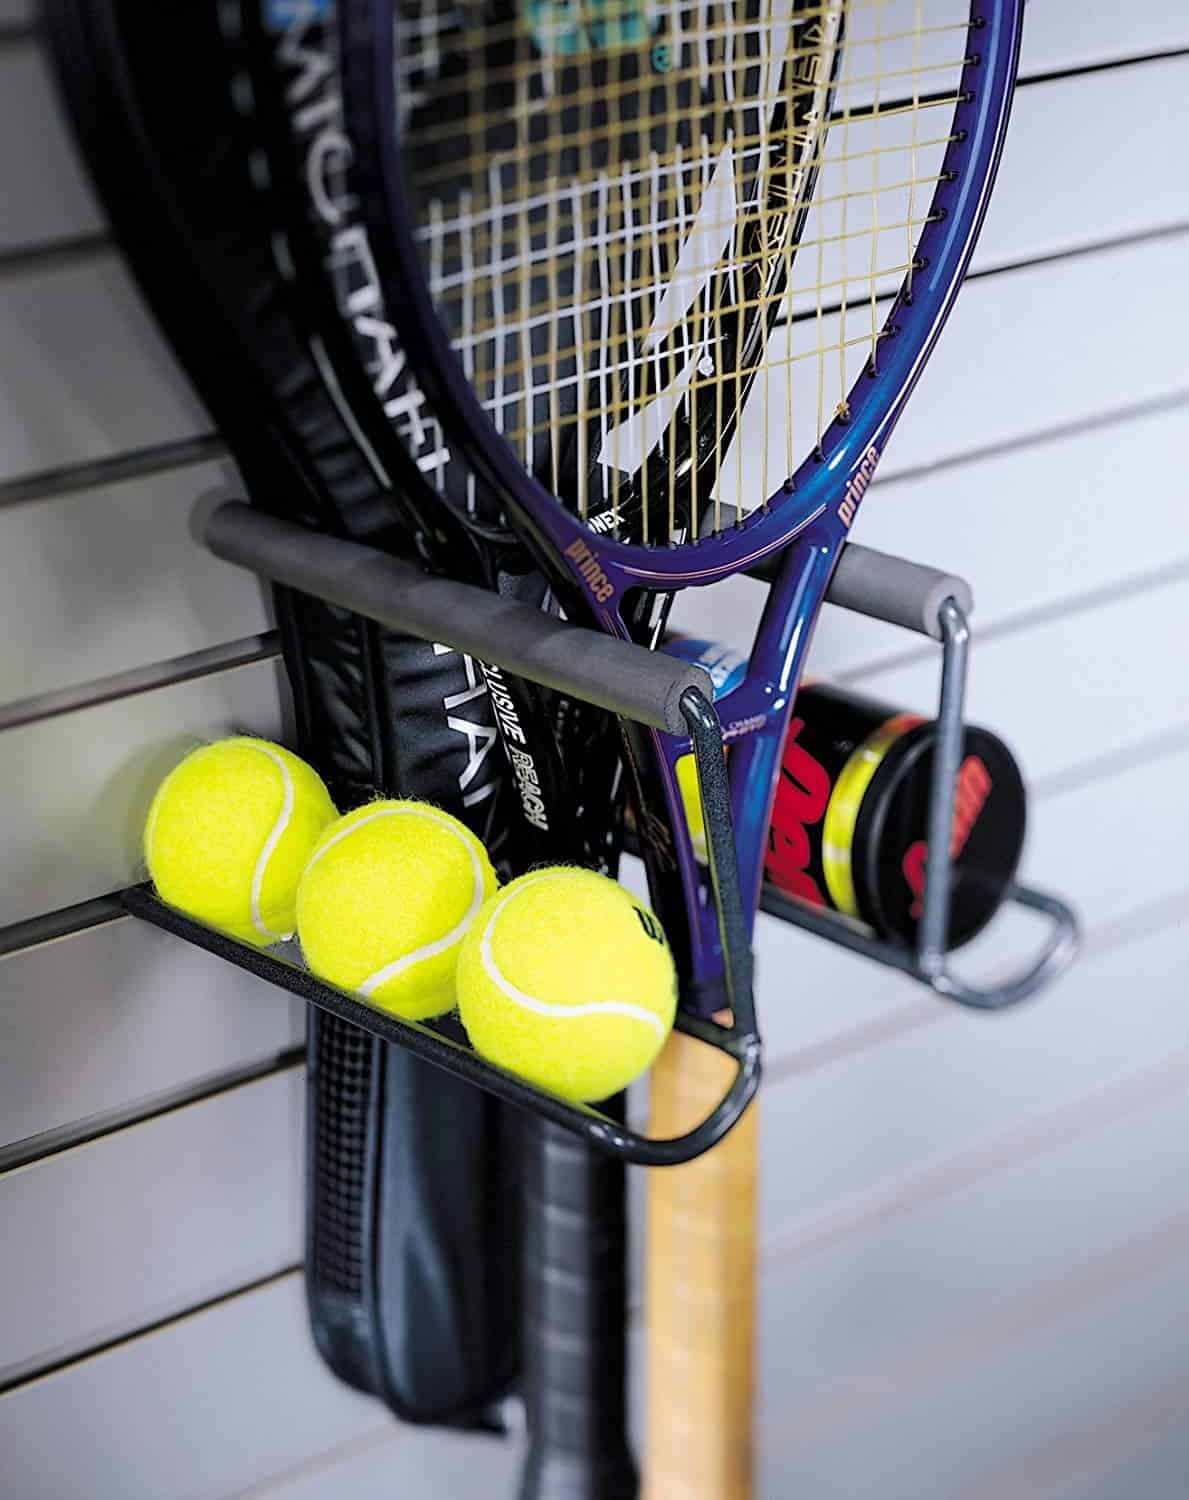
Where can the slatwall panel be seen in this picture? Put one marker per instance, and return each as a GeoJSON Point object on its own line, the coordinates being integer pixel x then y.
{"type": "Point", "coordinates": [16, 20]}
{"type": "Point", "coordinates": [209, 1197]}
{"type": "Point", "coordinates": [78, 341]}
{"type": "Point", "coordinates": [973, 1254]}
{"type": "Point", "coordinates": [151, 1023]}
{"type": "Point", "coordinates": [39, 169]}
{"type": "Point", "coordinates": [92, 628]}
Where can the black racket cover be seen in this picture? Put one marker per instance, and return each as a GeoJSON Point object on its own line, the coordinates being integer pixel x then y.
{"type": "Point", "coordinates": [412, 1177]}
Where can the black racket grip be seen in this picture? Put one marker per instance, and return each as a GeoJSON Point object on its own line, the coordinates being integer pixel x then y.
{"type": "Point", "coordinates": [575, 1300]}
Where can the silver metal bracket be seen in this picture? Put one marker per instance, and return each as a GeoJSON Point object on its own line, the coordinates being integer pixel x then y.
{"type": "Point", "coordinates": [935, 604]}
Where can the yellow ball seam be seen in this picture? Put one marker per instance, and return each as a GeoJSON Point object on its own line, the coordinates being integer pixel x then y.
{"type": "Point", "coordinates": [533, 1002]}
{"type": "Point", "coordinates": [275, 835]}
{"type": "Point", "coordinates": [456, 933]}
{"type": "Point", "coordinates": [270, 844]}
{"type": "Point", "coordinates": [150, 832]}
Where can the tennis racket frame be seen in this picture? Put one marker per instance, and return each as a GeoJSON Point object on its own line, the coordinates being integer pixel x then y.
{"type": "Point", "coordinates": [808, 519]}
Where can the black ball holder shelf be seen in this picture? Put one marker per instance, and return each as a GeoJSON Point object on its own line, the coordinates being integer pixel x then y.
{"type": "Point", "coordinates": [660, 691]}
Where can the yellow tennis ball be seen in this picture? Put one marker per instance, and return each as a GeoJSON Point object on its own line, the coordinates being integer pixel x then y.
{"type": "Point", "coordinates": [386, 900]}
{"type": "Point", "coordinates": [568, 981]}
{"type": "Point", "coordinates": [229, 833]}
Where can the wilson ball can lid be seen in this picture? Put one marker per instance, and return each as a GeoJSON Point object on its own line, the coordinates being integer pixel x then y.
{"type": "Point", "coordinates": [890, 850]}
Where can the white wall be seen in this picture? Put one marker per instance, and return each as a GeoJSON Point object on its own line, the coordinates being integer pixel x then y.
{"type": "Point", "coordinates": [975, 1251]}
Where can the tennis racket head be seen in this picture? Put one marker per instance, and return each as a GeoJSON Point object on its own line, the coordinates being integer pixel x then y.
{"type": "Point", "coordinates": [613, 223]}
{"type": "Point", "coordinates": [576, 175]}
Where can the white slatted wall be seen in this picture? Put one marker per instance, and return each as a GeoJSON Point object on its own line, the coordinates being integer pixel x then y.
{"type": "Point", "coordinates": [975, 1244]}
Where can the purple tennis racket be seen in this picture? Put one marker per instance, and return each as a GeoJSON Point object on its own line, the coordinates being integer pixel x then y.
{"type": "Point", "coordinates": [667, 272]}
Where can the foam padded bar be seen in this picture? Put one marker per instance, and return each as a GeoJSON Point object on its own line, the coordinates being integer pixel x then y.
{"type": "Point", "coordinates": [896, 590]}
{"type": "Point", "coordinates": [626, 679]}
{"type": "Point", "coordinates": [886, 588]}
{"type": "Point", "coordinates": [877, 584]}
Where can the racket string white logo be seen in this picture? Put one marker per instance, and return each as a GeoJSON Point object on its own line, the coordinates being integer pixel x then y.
{"type": "Point", "coordinates": [604, 305]}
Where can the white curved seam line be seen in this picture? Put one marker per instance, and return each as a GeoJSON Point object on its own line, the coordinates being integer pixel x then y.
{"type": "Point", "coordinates": [339, 837]}
{"type": "Point", "coordinates": [270, 844]}
{"type": "Point", "coordinates": [543, 1007]}
{"type": "Point", "coordinates": [150, 832]}
{"type": "Point", "coordinates": [456, 933]}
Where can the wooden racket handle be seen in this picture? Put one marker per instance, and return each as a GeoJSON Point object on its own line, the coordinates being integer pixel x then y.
{"type": "Point", "coordinates": [699, 1292]}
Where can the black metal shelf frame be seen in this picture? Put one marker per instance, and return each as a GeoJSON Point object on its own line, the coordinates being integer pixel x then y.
{"type": "Point", "coordinates": [669, 694]}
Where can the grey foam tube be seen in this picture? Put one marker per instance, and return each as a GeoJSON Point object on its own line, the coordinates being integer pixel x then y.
{"type": "Point", "coordinates": [896, 590]}
{"type": "Point", "coordinates": [626, 679]}
{"type": "Point", "coordinates": [881, 586]}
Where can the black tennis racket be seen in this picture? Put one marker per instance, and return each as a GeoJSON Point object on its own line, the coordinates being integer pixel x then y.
{"type": "Point", "coordinates": [575, 1231]}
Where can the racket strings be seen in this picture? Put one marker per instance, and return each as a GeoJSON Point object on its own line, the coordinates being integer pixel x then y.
{"type": "Point", "coordinates": [611, 93]}
{"type": "Point", "coordinates": [640, 218]}
{"type": "Point", "coordinates": [499, 251]}
{"type": "Point", "coordinates": [610, 96]}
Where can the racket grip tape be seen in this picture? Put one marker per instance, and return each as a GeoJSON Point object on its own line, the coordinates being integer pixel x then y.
{"type": "Point", "coordinates": [575, 1335]}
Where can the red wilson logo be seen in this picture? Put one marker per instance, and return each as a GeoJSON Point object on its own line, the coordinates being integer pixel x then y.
{"type": "Point", "coordinates": [801, 801]}
{"type": "Point", "coordinates": [974, 787]}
